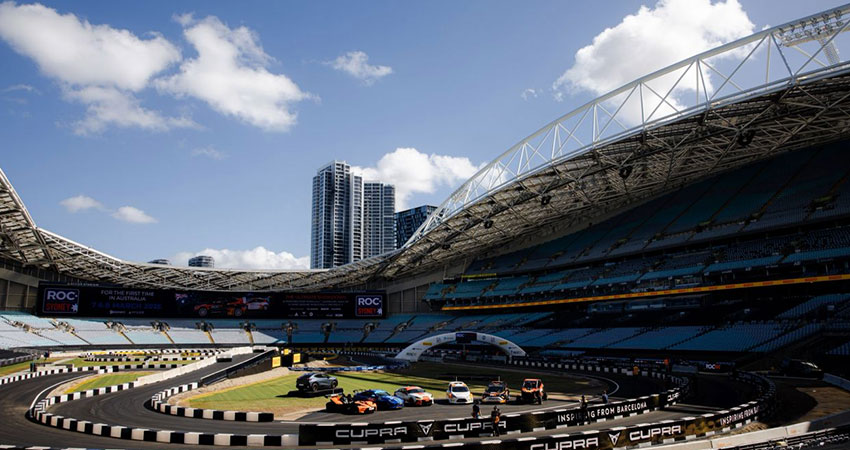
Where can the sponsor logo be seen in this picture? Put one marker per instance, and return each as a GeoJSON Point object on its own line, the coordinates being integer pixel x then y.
{"type": "Point", "coordinates": [369, 306]}
{"type": "Point", "coordinates": [355, 433]}
{"type": "Point", "coordinates": [614, 437]}
{"type": "Point", "coordinates": [463, 427]}
{"type": "Point", "coordinates": [616, 410]}
{"type": "Point", "coordinates": [61, 300]}
{"type": "Point", "coordinates": [738, 416]}
{"type": "Point", "coordinates": [586, 443]}
{"type": "Point", "coordinates": [566, 418]}
{"type": "Point", "coordinates": [426, 428]}
{"type": "Point", "coordinates": [650, 433]}
{"type": "Point", "coordinates": [673, 396]}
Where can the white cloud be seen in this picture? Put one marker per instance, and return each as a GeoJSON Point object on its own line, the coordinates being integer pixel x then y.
{"type": "Point", "coordinates": [209, 152]}
{"type": "Point", "coordinates": [21, 87]}
{"type": "Point", "coordinates": [97, 65]}
{"type": "Point", "coordinates": [79, 53]}
{"type": "Point", "coordinates": [356, 64]}
{"type": "Point", "coordinates": [652, 39]}
{"type": "Point", "coordinates": [133, 215]}
{"type": "Point", "coordinates": [125, 213]}
{"type": "Point", "coordinates": [230, 74]}
{"type": "Point", "coordinates": [80, 203]}
{"type": "Point", "coordinates": [414, 172]}
{"type": "Point", "coordinates": [256, 258]}
{"type": "Point", "coordinates": [529, 93]}
{"type": "Point", "coordinates": [110, 106]}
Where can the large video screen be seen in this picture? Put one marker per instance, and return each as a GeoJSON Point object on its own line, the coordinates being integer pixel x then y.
{"type": "Point", "coordinates": [97, 301]}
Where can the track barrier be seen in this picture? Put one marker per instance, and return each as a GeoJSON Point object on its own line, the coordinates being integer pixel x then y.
{"type": "Point", "coordinates": [670, 431]}
{"type": "Point", "coordinates": [426, 430]}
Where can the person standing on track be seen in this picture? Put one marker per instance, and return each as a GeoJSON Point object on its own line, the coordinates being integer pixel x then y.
{"type": "Point", "coordinates": [476, 410]}
{"type": "Point", "coordinates": [583, 409]}
{"type": "Point", "coordinates": [495, 418]}
{"type": "Point", "coordinates": [605, 396]}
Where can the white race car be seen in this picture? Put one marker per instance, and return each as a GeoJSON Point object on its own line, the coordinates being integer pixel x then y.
{"type": "Point", "coordinates": [414, 396]}
{"type": "Point", "coordinates": [458, 393]}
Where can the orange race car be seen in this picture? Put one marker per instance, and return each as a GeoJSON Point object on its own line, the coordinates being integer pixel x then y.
{"type": "Point", "coordinates": [497, 392]}
{"type": "Point", "coordinates": [532, 391]}
{"type": "Point", "coordinates": [339, 403]}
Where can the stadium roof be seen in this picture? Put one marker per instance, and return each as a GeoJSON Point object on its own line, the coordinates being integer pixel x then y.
{"type": "Point", "coordinates": [781, 89]}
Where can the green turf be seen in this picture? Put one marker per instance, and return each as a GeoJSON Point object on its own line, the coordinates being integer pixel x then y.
{"type": "Point", "coordinates": [107, 380]}
{"type": "Point", "coordinates": [272, 394]}
{"type": "Point", "coordinates": [6, 370]}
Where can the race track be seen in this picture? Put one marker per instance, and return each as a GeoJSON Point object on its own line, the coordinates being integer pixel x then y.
{"type": "Point", "coordinates": [128, 408]}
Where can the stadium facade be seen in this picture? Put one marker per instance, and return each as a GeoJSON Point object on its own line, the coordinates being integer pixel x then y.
{"type": "Point", "coordinates": [716, 112]}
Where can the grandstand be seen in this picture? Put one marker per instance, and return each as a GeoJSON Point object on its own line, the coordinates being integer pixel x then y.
{"type": "Point", "coordinates": [721, 232]}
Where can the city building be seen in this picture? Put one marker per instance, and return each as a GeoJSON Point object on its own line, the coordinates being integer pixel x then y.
{"type": "Point", "coordinates": [164, 262]}
{"type": "Point", "coordinates": [379, 235]}
{"type": "Point", "coordinates": [202, 261]}
{"type": "Point", "coordinates": [336, 233]}
{"type": "Point", "coordinates": [408, 221]}
{"type": "Point", "coordinates": [351, 220]}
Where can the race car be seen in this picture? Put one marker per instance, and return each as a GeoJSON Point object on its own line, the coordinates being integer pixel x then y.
{"type": "Point", "coordinates": [532, 391]}
{"type": "Point", "coordinates": [314, 382]}
{"type": "Point", "coordinates": [255, 304]}
{"type": "Point", "coordinates": [382, 399]}
{"type": "Point", "coordinates": [414, 396]}
{"type": "Point", "coordinates": [234, 308]}
{"type": "Point", "coordinates": [497, 392]}
{"type": "Point", "coordinates": [339, 403]}
{"type": "Point", "coordinates": [458, 392]}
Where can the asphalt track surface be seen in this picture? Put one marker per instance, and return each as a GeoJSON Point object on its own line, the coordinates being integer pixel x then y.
{"type": "Point", "coordinates": [128, 408]}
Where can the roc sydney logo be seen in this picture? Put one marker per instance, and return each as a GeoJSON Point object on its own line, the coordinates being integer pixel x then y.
{"type": "Point", "coordinates": [369, 306]}
{"type": "Point", "coordinates": [61, 300]}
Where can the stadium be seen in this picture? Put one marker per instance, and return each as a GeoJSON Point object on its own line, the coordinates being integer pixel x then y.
{"type": "Point", "coordinates": [667, 265]}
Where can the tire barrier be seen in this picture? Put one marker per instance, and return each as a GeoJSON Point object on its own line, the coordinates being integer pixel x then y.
{"type": "Point", "coordinates": [349, 368]}
{"type": "Point", "coordinates": [158, 403]}
{"type": "Point", "coordinates": [41, 415]}
{"type": "Point", "coordinates": [638, 435]}
{"type": "Point", "coordinates": [17, 359]}
{"type": "Point", "coordinates": [40, 408]}
{"type": "Point", "coordinates": [138, 359]}
{"type": "Point", "coordinates": [167, 436]}
{"type": "Point", "coordinates": [28, 375]}
{"type": "Point", "coordinates": [426, 430]}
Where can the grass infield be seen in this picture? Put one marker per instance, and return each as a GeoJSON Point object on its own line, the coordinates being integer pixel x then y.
{"type": "Point", "coordinates": [106, 380]}
{"type": "Point", "coordinates": [271, 395]}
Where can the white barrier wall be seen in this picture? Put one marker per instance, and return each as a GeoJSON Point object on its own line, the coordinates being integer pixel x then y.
{"type": "Point", "coordinates": [173, 373]}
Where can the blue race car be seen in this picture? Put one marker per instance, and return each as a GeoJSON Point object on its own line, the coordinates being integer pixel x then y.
{"type": "Point", "coordinates": [382, 399]}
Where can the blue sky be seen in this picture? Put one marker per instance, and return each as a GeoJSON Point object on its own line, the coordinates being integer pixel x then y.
{"type": "Point", "coordinates": [165, 129]}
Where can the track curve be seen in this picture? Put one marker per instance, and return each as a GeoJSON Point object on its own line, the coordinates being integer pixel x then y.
{"type": "Point", "coordinates": [127, 408]}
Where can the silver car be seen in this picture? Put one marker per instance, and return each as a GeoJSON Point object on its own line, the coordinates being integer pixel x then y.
{"type": "Point", "coordinates": [313, 382]}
